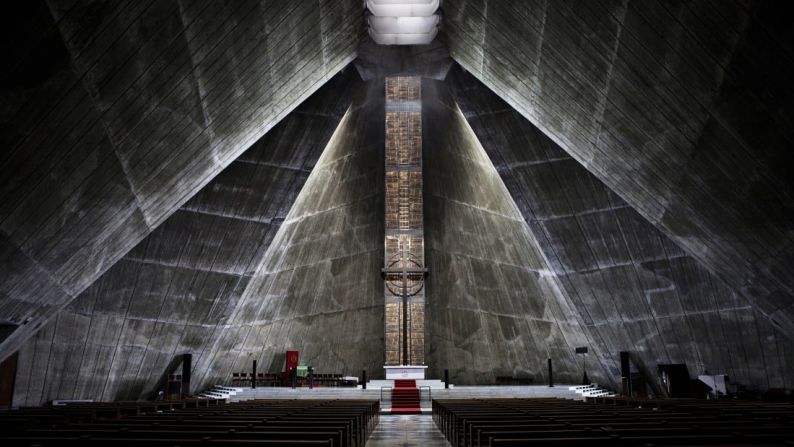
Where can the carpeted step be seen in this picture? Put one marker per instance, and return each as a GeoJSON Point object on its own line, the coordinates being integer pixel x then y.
{"type": "Point", "coordinates": [405, 397]}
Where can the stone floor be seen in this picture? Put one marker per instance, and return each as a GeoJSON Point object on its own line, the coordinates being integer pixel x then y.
{"type": "Point", "coordinates": [406, 430]}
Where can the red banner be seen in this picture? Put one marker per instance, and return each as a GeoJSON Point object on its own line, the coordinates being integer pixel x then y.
{"type": "Point", "coordinates": [292, 360]}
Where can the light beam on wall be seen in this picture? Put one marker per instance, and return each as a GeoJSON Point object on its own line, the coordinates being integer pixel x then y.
{"type": "Point", "coordinates": [403, 22]}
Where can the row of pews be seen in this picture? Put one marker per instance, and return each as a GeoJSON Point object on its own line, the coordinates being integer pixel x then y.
{"type": "Point", "coordinates": [331, 423]}
{"type": "Point", "coordinates": [614, 422]}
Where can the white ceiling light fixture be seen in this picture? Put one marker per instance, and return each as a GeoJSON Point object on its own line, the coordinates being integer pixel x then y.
{"type": "Point", "coordinates": [403, 22]}
{"type": "Point", "coordinates": [403, 8]}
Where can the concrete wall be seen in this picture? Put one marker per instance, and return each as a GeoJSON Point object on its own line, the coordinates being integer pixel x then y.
{"type": "Point", "coordinates": [634, 288]}
{"type": "Point", "coordinates": [681, 108]}
{"type": "Point", "coordinates": [176, 291]}
{"type": "Point", "coordinates": [378, 61]}
{"type": "Point", "coordinates": [493, 306]}
{"type": "Point", "coordinates": [318, 288]}
{"type": "Point", "coordinates": [116, 113]}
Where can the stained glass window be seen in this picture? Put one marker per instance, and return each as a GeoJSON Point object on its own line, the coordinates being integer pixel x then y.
{"type": "Point", "coordinates": [404, 257]}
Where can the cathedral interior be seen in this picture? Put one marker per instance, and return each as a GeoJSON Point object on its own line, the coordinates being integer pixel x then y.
{"type": "Point", "coordinates": [236, 179]}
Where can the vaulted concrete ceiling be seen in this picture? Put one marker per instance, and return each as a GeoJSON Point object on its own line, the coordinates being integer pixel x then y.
{"type": "Point", "coordinates": [650, 195]}
{"type": "Point", "coordinates": [493, 308]}
{"type": "Point", "coordinates": [684, 109]}
{"type": "Point", "coordinates": [116, 113]}
{"type": "Point", "coordinates": [178, 289]}
{"type": "Point", "coordinates": [632, 287]}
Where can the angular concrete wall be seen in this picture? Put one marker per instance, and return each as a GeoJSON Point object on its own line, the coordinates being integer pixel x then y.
{"type": "Point", "coordinates": [378, 61]}
{"type": "Point", "coordinates": [318, 288]}
{"type": "Point", "coordinates": [633, 287]}
{"type": "Point", "coordinates": [494, 307]}
{"type": "Point", "coordinates": [683, 109]}
{"type": "Point", "coordinates": [116, 113]}
{"type": "Point", "coordinates": [176, 291]}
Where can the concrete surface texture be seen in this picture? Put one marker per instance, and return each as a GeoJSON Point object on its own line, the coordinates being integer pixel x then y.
{"type": "Point", "coordinates": [633, 287]}
{"type": "Point", "coordinates": [176, 291]}
{"type": "Point", "coordinates": [610, 174]}
{"type": "Point", "coordinates": [318, 287]}
{"type": "Point", "coordinates": [116, 113]}
{"type": "Point", "coordinates": [493, 308]}
{"type": "Point", "coordinates": [378, 61]}
{"type": "Point", "coordinates": [683, 109]}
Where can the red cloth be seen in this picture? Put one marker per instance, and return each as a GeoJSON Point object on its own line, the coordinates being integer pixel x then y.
{"type": "Point", "coordinates": [292, 360]}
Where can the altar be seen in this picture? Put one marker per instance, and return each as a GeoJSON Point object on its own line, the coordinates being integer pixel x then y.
{"type": "Point", "coordinates": [416, 372]}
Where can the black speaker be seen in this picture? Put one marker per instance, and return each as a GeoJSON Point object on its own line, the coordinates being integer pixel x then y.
{"type": "Point", "coordinates": [187, 360]}
{"type": "Point", "coordinates": [625, 373]}
{"type": "Point", "coordinates": [363, 379]}
{"type": "Point", "coordinates": [551, 374]}
{"type": "Point", "coordinates": [174, 388]}
{"type": "Point", "coordinates": [638, 385]}
{"type": "Point", "coordinates": [446, 379]}
{"type": "Point", "coordinates": [625, 367]}
{"type": "Point", "coordinates": [253, 375]}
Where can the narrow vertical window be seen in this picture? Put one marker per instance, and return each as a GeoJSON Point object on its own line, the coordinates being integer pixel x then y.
{"type": "Point", "coordinates": [404, 254]}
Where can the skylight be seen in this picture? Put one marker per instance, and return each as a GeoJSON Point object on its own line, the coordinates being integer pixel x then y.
{"type": "Point", "coordinates": [403, 22]}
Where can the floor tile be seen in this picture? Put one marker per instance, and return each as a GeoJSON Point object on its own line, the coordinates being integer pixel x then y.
{"type": "Point", "coordinates": [406, 430]}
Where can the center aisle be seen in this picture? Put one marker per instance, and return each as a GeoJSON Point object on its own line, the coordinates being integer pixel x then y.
{"type": "Point", "coordinates": [406, 430]}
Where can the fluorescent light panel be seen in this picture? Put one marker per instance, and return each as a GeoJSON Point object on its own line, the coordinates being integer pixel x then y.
{"type": "Point", "coordinates": [404, 8]}
{"type": "Point", "coordinates": [403, 25]}
{"type": "Point", "coordinates": [403, 22]}
{"type": "Point", "coordinates": [403, 39]}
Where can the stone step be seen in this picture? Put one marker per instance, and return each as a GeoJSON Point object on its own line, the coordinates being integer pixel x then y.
{"type": "Point", "coordinates": [459, 392]}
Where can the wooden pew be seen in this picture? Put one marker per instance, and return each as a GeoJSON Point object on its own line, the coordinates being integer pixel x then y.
{"type": "Point", "coordinates": [478, 422]}
{"type": "Point", "coordinates": [266, 422]}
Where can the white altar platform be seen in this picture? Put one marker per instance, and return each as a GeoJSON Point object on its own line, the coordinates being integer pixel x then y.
{"type": "Point", "coordinates": [433, 384]}
{"type": "Point", "coordinates": [416, 372]}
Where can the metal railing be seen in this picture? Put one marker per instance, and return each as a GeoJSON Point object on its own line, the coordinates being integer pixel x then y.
{"type": "Point", "coordinates": [388, 394]}
{"type": "Point", "coordinates": [429, 394]}
{"type": "Point", "coordinates": [423, 397]}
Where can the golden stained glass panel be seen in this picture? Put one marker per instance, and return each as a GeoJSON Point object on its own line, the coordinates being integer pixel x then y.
{"type": "Point", "coordinates": [404, 241]}
{"type": "Point", "coordinates": [404, 139]}
{"type": "Point", "coordinates": [403, 88]}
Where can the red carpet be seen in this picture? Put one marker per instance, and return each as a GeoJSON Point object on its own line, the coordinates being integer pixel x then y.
{"type": "Point", "coordinates": [405, 397]}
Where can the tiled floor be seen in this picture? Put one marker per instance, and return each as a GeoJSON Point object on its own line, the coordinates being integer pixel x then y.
{"type": "Point", "coordinates": [406, 430]}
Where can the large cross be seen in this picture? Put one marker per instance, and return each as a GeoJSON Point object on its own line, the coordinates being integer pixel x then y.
{"type": "Point", "coordinates": [404, 273]}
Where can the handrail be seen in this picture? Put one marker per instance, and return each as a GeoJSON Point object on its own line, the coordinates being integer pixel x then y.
{"type": "Point", "coordinates": [381, 392]}
{"type": "Point", "coordinates": [429, 393]}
